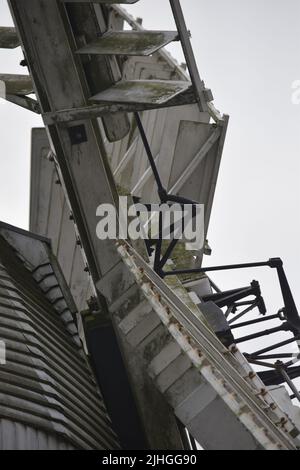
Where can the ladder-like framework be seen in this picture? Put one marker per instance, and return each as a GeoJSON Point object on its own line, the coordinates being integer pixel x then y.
{"type": "Point", "coordinates": [76, 54]}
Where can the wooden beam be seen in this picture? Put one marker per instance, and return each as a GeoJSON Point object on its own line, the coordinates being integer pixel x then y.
{"type": "Point", "coordinates": [188, 53]}
{"type": "Point", "coordinates": [9, 38]}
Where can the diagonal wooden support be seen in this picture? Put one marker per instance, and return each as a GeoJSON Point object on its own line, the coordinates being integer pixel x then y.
{"type": "Point", "coordinates": [188, 52]}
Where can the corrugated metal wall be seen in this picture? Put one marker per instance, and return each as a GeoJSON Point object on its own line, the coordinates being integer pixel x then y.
{"type": "Point", "coordinates": [48, 396]}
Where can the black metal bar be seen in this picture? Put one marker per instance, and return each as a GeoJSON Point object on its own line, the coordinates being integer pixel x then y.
{"type": "Point", "coordinates": [244, 312]}
{"type": "Point", "coordinates": [232, 298]}
{"type": "Point", "coordinates": [277, 345]}
{"type": "Point", "coordinates": [262, 363]}
{"type": "Point", "coordinates": [262, 333]}
{"type": "Point", "coordinates": [243, 304]}
{"type": "Point", "coordinates": [291, 363]}
{"type": "Point", "coordinates": [180, 200]}
{"type": "Point", "coordinates": [253, 322]}
{"type": "Point", "coordinates": [276, 356]}
{"type": "Point", "coordinates": [291, 311]}
{"type": "Point", "coordinates": [149, 152]}
{"type": "Point", "coordinates": [274, 377]}
{"type": "Point", "coordinates": [220, 295]}
{"type": "Point", "coordinates": [217, 268]}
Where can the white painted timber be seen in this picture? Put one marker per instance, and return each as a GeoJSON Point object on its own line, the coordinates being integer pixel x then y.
{"type": "Point", "coordinates": [214, 391]}
{"type": "Point", "coordinates": [129, 43]}
{"type": "Point", "coordinates": [148, 92]}
{"type": "Point", "coordinates": [8, 38]}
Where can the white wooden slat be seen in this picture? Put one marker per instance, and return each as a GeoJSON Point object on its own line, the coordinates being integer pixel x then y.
{"type": "Point", "coordinates": [125, 160]}
{"type": "Point", "coordinates": [8, 38]}
{"type": "Point", "coordinates": [16, 84]}
{"type": "Point", "coordinates": [130, 43]}
{"type": "Point", "coordinates": [147, 175]}
{"type": "Point", "coordinates": [191, 137]}
{"type": "Point", "coordinates": [148, 92]}
{"type": "Point", "coordinates": [192, 166]}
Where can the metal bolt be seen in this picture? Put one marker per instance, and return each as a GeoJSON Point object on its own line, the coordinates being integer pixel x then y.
{"type": "Point", "coordinates": [263, 392]}
{"type": "Point", "coordinates": [168, 310]}
{"type": "Point", "coordinates": [233, 349]}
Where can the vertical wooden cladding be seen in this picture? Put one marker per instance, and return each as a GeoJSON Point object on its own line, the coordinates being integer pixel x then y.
{"type": "Point", "coordinates": [52, 219]}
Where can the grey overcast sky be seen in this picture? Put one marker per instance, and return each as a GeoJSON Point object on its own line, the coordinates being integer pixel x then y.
{"type": "Point", "coordinates": [248, 52]}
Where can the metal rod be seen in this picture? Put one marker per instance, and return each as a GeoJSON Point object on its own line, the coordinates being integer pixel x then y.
{"type": "Point", "coordinates": [261, 363]}
{"type": "Point", "coordinates": [217, 268]}
{"type": "Point", "coordinates": [259, 335]}
{"type": "Point", "coordinates": [180, 199]}
{"type": "Point", "coordinates": [277, 345]}
{"type": "Point", "coordinates": [149, 152]}
{"type": "Point", "coordinates": [188, 52]}
{"type": "Point", "coordinates": [243, 304]}
{"type": "Point", "coordinates": [291, 311]}
{"type": "Point", "coordinates": [276, 356]}
{"type": "Point", "coordinates": [253, 322]}
{"type": "Point", "coordinates": [229, 298]}
{"type": "Point", "coordinates": [243, 313]}
{"type": "Point", "coordinates": [291, 363]}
